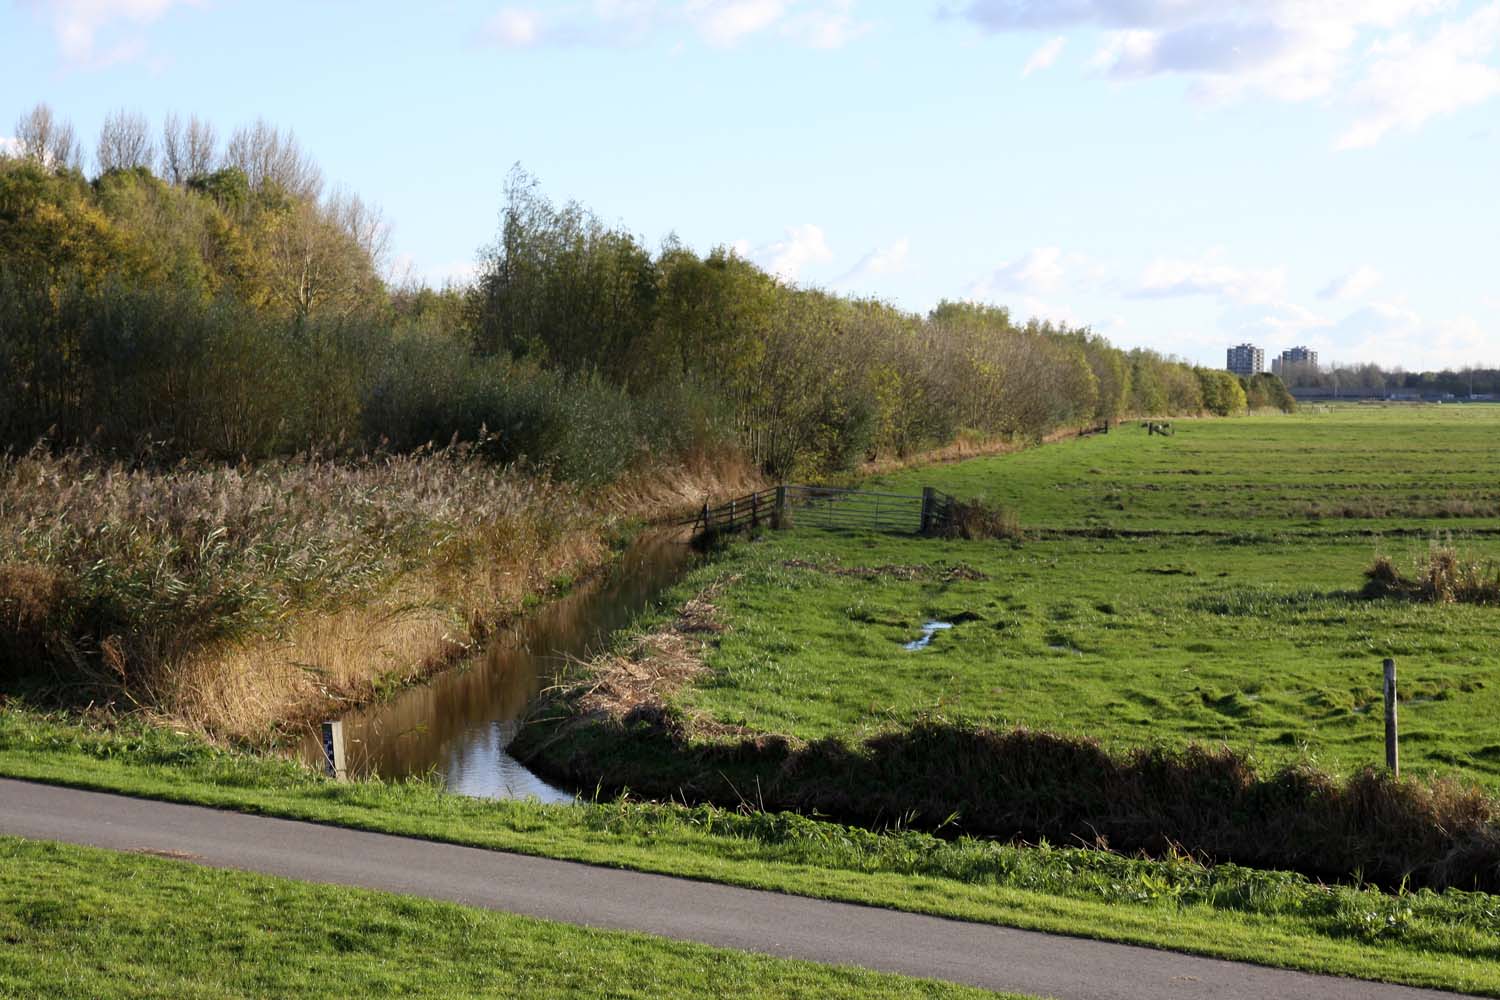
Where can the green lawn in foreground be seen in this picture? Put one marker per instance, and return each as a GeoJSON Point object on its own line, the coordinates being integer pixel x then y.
{"type": "Point", "coordinates": [1171, 589]}
{"type": "Point", "coordinates": [1449, 941]}
{"type": "Point", "coordinates": [78, 922]}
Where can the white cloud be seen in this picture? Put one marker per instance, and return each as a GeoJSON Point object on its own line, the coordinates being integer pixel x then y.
{"type": "Point", "coordinates": [831, 25]}
{"type": "Point", "coordinates": [514, 27]}
{"type": "Point", "coordinates": [728, 22]}
{"type": "Point", "coordinates": [879, 262]}
{"type": "Point", "coordinates": [1392, 334]}
{"type": "Point", "coordinates": [1173, 277]}
{"type": "Point", "coordinates": [88, 31]}
{"type": "Point", "coordinates": [824, 24]}
{"type": "Point", "coordinates": [1044, 57]}
{"type": "Point", "coordinates": [1408, 82]}
{"type": "Point", "coordinates": [1048, 311]}
{"type": "Point", "coordinates": [1273, 325]}
{"type": "Point", "coordinates": [1040, 270]}
{"type": "Point", "coordinates": [1356, 52]}
{"type": "Point", "coordinates": [1354, 285]}
{"type": "Point", "coordinates": [10, 146]}
{"type": "Point", "coordinates": [785, 258]}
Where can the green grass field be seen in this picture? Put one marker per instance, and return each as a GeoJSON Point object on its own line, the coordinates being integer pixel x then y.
{"type": "Point", "coordinates": [78, 922]}
{"type": "Point", "coordinates": [1199, 587]}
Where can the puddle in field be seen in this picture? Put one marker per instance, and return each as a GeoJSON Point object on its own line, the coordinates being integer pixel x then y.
{"type": "Point", "coordinates": [929, 629]}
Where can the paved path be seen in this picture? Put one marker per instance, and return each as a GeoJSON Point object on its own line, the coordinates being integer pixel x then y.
{"type": "Point", "coordinates": [771, 923]}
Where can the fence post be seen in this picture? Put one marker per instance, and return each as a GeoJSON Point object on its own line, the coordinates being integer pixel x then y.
{"type": "Point", "coordinates": [778, 512]}
{"type": "Point", "coordinates": [927, 498]}
{"type": "Point", "coordinates": [333, 750]}
{"type": "Point", "coordinates": [706, 523]}
{"type": "Point", "coordinates": [755, 510]}
{"type": "Point", "coordinates": [1392, 747]}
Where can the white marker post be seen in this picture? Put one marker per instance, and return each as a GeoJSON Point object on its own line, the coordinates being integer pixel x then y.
{"type": "Point", "coordinates": [1392, 746]}
{"type": "Point", "coordinates": [333, 751]}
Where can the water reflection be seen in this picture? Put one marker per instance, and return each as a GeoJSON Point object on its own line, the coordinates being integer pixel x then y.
{"type": "Point", "coordinates": [460, 723]}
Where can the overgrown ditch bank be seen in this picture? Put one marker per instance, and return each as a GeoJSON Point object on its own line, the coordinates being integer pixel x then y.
{"type": "Point", "coordinates": [618, 731]}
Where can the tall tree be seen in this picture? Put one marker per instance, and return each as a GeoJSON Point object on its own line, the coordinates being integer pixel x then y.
{"type": "Point", "coordinates": [48, 140]}
{"type": "Point", "coordinates": [124, 142]}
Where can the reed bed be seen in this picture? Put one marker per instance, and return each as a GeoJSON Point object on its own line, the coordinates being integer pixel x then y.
{"type": "Point", "coordinates": [237, 597]}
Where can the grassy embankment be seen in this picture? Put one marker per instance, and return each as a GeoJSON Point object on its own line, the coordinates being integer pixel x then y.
{"type": "Point", "coordinates": [193, 932]}
{"type": "Point", "coordinates": [1422, 938]}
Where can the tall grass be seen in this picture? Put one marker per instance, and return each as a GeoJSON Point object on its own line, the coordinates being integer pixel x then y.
{"type": "Point", "coordinates": [121, 575]}
{"type": "Point", "coordinates": [1444, 576]}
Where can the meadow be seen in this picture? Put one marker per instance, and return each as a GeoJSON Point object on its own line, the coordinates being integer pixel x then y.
{"type": "Point", "coordinates": [1200, 587]}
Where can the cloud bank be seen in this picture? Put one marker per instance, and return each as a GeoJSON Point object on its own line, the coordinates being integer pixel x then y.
{"type": "Point", "coordinates": [1392, 65]}
{"type": "Point", "coordinates": [819, 24]}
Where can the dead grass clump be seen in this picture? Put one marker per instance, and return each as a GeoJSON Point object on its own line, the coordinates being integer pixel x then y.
{"type": "Point", "coordinates": [34, 604]}
{"type": "Point", "coordinates": [1443, 577]}
{"type": "Point", "coordinates": [659, 663]}
{"type": "Point", "coordinates": [979, 519]}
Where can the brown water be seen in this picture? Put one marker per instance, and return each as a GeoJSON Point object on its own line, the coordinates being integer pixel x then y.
{"type": "Point", "coordinates": [460, 723]}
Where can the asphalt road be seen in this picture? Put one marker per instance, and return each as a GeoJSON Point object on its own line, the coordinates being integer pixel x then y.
{"type": "Point", "coordinates": [771, 923]}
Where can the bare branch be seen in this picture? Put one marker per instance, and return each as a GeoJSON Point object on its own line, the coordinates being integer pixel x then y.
{"type": "Point", "coordinates": [125, 142]}
{"type": "Point", "coordinates": [267, 156]}
{"type": "Point", "coordinates": [48, 140]}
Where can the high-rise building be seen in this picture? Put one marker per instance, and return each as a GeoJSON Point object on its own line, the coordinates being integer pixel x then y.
{"type": "Point", "coordinates": [1246, 360]}
{"type": "Point", "coordinates": [1295, 359]}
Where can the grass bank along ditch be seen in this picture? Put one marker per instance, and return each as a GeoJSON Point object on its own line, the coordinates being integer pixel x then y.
{"type": "Point", "coordinates": [1173, 657]}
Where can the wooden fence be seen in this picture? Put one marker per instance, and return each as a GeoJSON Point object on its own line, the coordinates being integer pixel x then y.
{"type": "Point", "coordinates": [922, 513]}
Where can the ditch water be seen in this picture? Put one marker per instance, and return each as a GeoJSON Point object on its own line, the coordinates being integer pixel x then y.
{"type": "Point", "coordinates": [929, 629]}
{"type": "Point", "coordinates": [460, 723]}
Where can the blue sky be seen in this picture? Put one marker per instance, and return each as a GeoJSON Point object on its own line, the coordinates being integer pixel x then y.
{"type": "Point", "coordinates": [1178, 174]}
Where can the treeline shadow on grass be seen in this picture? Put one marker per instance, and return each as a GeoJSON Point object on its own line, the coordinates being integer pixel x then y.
{"type": "Point", "coordinates": [1025, 785]}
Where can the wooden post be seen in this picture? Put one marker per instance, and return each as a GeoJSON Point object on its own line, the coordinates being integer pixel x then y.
{"type": "Point", "coordinates": [778, 512]}
{"type": "Point", "coordinates": [1392, 747]}
{"type": "Point", "coordinates": [333, 751]}
{"type": "Point", "coordinates": [927, 510]}
{"type": "Point", "coordinates": [755, 510]}
{"type": "Point", "coordinates": [707, 524]}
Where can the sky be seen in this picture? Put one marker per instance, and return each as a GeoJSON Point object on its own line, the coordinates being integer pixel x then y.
{"type": "Point", "coordinates": [1175, 174]}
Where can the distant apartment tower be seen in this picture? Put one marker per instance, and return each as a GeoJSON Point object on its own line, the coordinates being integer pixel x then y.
{"type": "Point", "coordinates": [1295, 359]}
{"type": "Point", "coordinates": [1246, 360]}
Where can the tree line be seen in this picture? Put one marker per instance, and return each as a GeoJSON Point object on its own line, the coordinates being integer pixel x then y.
{"type": "Point", "coordinates": [1373, 380]}
{"type": "Point", "coordinates": [193, 298]}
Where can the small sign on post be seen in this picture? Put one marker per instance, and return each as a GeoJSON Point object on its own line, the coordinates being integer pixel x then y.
{"type": "Point", "coordinates": [333, 751]}
{"type": "Point", "coordinates": [1392, 746]}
